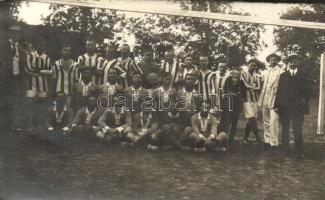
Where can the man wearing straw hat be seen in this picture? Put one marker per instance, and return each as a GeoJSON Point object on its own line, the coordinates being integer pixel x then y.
{"type": "Point", "coordinates": [266, 100]}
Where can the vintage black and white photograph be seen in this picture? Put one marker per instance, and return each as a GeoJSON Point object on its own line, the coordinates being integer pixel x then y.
{"type": "Point", "coordinates": [162, 99]}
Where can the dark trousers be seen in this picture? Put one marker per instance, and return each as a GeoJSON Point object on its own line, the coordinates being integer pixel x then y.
{"type": "Point", "coordinates": [297, 120]}
{"type": "Point", "coordinates": [232, 127]}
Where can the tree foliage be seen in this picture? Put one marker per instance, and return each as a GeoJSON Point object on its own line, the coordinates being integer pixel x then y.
{"type": "Point", "coordinates": [160, 32]}
{"type": "Point", "coordinates": [305, 42]}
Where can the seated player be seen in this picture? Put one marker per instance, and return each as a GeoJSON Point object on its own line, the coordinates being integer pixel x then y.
{"type": "Point", "coordinates": [190, 99]}
{"type": "Point", "coordinates": [114, 123]}
{"type": "Point", "coordinates": [60, 114]}
{"type": "Point", "coordinates": [110, 88]}
{"type": "Point", "coordinates": [85, 120]}
{"type": "Point", "coordinates": [171, 131]}
{"type": "Point", "coordinates": [204, 131]}
{"type": "Point", "coordinates": [144, 124]}
{"type": "Point", "coordinates": [135, 93]}
{"type": "Point", "coordinates": [82, 90]}
{"type": "Point", "coordinates": [165, 94]}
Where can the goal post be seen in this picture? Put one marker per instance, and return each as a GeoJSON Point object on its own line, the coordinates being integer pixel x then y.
{"type": "Point", "coordinates": [321, 108]}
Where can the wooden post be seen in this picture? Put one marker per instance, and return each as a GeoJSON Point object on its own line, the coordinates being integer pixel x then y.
{"type": "Point", "coordinates": [321, 108]}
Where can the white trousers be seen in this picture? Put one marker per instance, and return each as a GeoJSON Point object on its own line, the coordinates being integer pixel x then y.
{"type": "Point", "coordinates": [271, 126]}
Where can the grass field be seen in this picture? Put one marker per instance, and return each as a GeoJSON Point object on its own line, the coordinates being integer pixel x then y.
{"type": "Point", "coordinates": [32, 169]}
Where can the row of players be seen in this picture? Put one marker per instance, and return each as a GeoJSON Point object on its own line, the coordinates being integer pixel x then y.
{"type": "Point", "coordinates": [221, 89]}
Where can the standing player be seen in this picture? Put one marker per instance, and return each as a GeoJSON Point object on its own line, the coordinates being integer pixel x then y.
{"type": "Point", "coordinates": [109, 62]}
{"type": "Point", "coordinates": [267, 98]}
{"type": "Point", "coordinates": [90, 60]}
{"type": "Point", "coordinates": [38, 71]}
{"type": "Point", "coordinates": [19, 54]}
{"type": "Point", "coordinates": [127, 64]}
{"type": "Point", "coordinates": [187, 68]}
{"type": "Point", "coordinates": [172, 66]}
{"type": "Point", "coordinates": [65, 73]}
{"type": "Point", "coordinates": [221, 76]}
{"type": "Point", "coordinates": [148, 66]}
{"type": "Point", "coordinates": [250, 83]}
{"type": "Point", "coordinates": [206, 81]}
{"type": "Point", "coordinates": [233, 92]}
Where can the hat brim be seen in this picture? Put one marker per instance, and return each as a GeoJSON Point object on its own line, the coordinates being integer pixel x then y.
{"type": "Point", "coordinates": [268, 58]}
{"type": "Point", "coordinates": [291, 57]}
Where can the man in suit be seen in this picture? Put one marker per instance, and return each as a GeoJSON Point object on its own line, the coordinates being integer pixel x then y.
{"type": "Point", "coordinates": [291, 102]}
{"type": "Point", "coordinates": [233, 94]}
{"type": "Point", "coordinates": [266, 100]}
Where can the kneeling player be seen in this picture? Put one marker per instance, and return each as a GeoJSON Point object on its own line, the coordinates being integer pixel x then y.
{"type": "Point", "coordinates": [114, 123]}
{"type": "Point", "coordinates": [204, 133]}
{"type": "Point", "coordinates": [85, 121]}
{"type": "Point", "coordinates": [60, 114]}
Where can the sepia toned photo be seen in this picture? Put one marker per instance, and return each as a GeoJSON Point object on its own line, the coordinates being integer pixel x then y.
{"type": "Point", "coordinates": [162, 99]}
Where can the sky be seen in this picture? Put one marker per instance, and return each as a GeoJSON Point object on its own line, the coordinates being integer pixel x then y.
{"type": "Point", "coordinates": [266, 10]}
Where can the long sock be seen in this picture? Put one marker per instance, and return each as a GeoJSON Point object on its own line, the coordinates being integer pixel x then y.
{"type": "Point", "coordinates": [255, 131]}
{"type": "Point", "coordinates": [247, 130]}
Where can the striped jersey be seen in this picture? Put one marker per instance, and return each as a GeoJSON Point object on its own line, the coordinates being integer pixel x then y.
{"type": "Point", "coordinates": [106, 65]}
{"type": "Point", "coordinates": [128, 66]}
{"type": "Point", "coordinates": [65, 78]}
{"type": "Point", "coordinates": [250, 95]}
{"type": "Point", "coordinates": [18, 58]}
{"type": "Point", "coordinates": [206, 84]}
{"type": "Point", "coordinates": [173, 69]}
{"type": "Point", "coordinates": [35, 63]}
{"type": "Point", "coordinates": [91, 62]}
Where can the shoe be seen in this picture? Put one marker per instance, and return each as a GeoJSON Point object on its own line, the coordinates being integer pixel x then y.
{"type": "Point", "coordinates": [199, 149]}
{"type": "Point", "coordinates": [221, 149]}
{"type": "Point", "coordinates": [245, 142]}
{"type": "Point", "coordinates": [274, 147]}
{"type": "Point", "coordinates": [152, 147]}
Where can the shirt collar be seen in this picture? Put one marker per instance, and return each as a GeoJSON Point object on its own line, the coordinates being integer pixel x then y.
{"type": "Point", "coordinates": [87, 111]}
{"type": "Point", "coordinates": [82, 82]}
{"type": "Point", "coordinates": [173, 116]}
{"type": "Point", "coordinates": [293, 70]}
{"type": "Point", "coordinates": [200, 117]}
